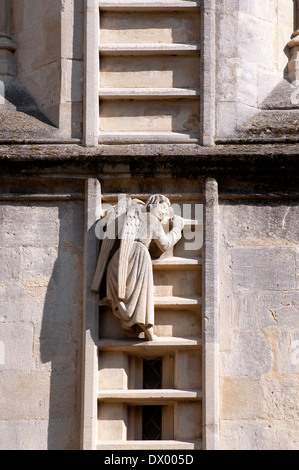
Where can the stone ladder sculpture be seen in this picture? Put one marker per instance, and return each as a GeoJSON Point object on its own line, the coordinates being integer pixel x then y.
{"type": "Point", "coordinates": [129, 272]}
{"type": "Point", "coordinates": [177, 349]}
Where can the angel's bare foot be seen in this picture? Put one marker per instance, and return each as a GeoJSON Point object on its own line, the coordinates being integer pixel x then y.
{"type": "Point", "coordinates": [149, 334]}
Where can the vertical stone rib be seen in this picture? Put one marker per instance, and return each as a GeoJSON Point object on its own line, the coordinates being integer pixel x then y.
{"type": "Point", "coordinates": [210, 318]}
{"type": "Point", "coordinates": [91, 73]}
{"type": "Point", "coordinates": [208, 72]}
{"type": "Point", "coordinates": [7, 46]}
{"type": "Point", "coordinates": [91, 318]}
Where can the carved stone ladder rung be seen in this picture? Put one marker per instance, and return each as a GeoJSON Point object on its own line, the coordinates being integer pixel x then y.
{"type": "Point", "coordinates": [120, 56]}
{"type": "Point", "coordinates": [174, 399]}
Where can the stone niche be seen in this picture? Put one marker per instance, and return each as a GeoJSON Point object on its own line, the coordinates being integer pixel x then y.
{"type": "Point", "coordinates": [144, 384]}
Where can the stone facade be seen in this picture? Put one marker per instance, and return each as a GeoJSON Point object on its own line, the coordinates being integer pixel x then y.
{"type": "Point", "coordinates": [195, 102]}
{"type": "Point", "coordinates": [41, 323]}
{"type": "Point", "coordinates": [259, 323]}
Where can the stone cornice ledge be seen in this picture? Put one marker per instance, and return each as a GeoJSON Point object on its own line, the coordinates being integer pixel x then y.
{"type": "Point", "coordinates": [117, 153]}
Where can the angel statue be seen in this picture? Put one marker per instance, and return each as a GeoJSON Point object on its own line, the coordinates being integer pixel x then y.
{"type": "Point", "coordinates": [127, 262]}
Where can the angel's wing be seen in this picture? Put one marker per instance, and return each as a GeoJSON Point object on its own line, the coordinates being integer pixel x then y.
{"type": "Point", "coordinates": [109, 241]}
{"type": "Point", "coordinates": [130, 230]}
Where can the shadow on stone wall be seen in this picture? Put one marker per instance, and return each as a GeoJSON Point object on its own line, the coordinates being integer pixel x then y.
{"type": "Point", "coordinates": [60, 339]}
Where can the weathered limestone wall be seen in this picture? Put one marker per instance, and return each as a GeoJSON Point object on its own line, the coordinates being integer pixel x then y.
{"type": "Point", "coordinates": [252, 59]}
{"type": "Point", "coordinates": [41, 325]}
{"type": "Point", "coordinates": [259, 301]}
{"type": "Point", "coordinates": [49, 38]}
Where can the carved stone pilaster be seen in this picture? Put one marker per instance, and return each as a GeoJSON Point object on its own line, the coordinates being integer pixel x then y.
{"type": "Point", "coordinates": [294, 48]}
{"type": "Point", "coordinates": [7, 46]}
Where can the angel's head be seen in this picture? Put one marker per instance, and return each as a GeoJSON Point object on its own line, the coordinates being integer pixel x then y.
{"type": "Point", "coordinates": [159, 206]}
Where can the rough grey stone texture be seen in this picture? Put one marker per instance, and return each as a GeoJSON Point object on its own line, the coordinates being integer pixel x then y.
{"type": "Point", "coordinates": [277, 119]}
{"type": "Point", "coordinates": [262, 268]}
{"type": "Point", "coordinates": [272, 124]}
{"type": "Point", "coordinates": [281, 97]}
{"type": "Point", "coordinates": [278, 310]}
{"type": "Point", "coordinates": [251, 357]}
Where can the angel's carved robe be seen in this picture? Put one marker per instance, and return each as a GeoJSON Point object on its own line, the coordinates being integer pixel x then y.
{"type": "Point", "coordinates": [137, 308]}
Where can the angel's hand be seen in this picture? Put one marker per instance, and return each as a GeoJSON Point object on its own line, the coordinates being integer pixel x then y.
{"type": "Point", "coordinates": [170, 212]}
{"type": "Point", "coordinates": [178, 222]}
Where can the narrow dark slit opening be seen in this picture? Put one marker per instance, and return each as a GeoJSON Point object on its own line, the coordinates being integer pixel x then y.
{"type": "Point", "coordinates": [152, 423]}
{"type": "Point", "coordinates": [152, 374]}
{"type": "Point", "coordinates": [152, 415]}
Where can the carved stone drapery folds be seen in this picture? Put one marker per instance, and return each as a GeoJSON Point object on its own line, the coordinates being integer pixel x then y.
{"type": "Point", "coordinates": [129, 276]}
{"type": "Point", "coordinates": [294, 48]}
{"type": "Point", "coordinates": [7, 46]}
